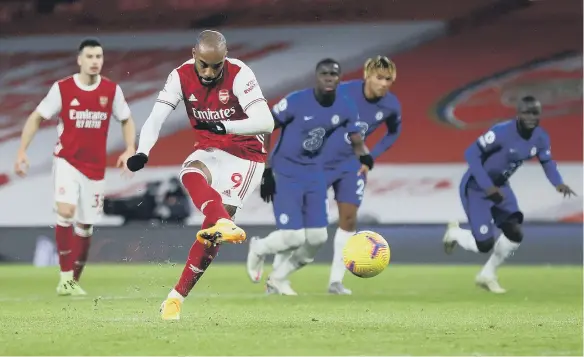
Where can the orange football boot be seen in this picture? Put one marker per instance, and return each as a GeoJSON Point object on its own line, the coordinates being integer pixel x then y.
{"type": "Point", "coordinates": [224, 231]}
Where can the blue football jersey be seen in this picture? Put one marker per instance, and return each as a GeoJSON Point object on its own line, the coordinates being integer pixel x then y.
{"type": "Point", "coordinates": [305, 126]}
{"type": "Point", "coordinates": [498, 153]}
{"type": "Point", "coordinates": [386, 110]}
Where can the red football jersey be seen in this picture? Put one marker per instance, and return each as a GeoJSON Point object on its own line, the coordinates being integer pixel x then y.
{"type": "Point", "coordinates": [84, 115]}
{"type": "Point", "coordinates": [228, 99]}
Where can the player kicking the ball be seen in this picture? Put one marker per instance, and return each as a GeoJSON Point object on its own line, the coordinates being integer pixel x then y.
{"type": "Point", "coordinates": [297, 185]}
{"type": "Point", "coordinates": [227, 109]}
{"type": "Point", "coordinates": [485, 192]}
{"type": "Point", "coordinates": [84, 104]}
{"type": "Point", "coordinates": [376, 107]}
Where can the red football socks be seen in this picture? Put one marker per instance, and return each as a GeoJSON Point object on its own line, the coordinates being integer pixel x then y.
{"type": "Point", "coordinates": [63, 238]}
{"type": "Point", "coordinates": [199, 259]}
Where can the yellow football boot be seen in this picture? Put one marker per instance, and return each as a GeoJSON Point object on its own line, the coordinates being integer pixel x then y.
{"type": "Point", "coordinates": [224, 231]}
{"type": "Point", "coordinates": [170, 309]}
{"type": "Point", "coordinates": [69, 287]}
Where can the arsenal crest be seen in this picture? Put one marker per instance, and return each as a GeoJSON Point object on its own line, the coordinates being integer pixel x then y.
{"type": "Point", "coordinates": [224, 96]}
{"type": "Point", "coordinates": [103, 101]}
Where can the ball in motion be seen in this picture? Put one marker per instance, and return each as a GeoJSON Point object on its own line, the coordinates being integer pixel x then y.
{"type": "Point", "coordinates": [366, 254]}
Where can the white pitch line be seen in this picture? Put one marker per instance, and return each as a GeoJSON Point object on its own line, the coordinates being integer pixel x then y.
{"type": "Point", "coordinates": [145, 297]}
{"type": "Point", "coordinates": [206, 295]}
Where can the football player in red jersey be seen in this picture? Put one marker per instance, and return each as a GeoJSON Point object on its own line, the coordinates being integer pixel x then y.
{"type": "Point", "coordinates": [83, 104]}
{"type": "Point", "coordinates": [227, 109]}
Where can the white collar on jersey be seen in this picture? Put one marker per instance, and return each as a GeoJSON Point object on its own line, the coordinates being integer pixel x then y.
{"type": "Point", "coordinates": [85, 87]}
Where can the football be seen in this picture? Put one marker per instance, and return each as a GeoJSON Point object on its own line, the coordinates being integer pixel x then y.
{"type": "Point", "coordinates": [366, 254]}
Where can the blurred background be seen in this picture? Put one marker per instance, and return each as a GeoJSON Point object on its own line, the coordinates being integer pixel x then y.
{"type": "Point", "coordinates": [461, 66]}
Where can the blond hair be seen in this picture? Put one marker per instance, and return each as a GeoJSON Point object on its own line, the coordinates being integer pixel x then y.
{"type": "Point", "coordinates": [379, 64]}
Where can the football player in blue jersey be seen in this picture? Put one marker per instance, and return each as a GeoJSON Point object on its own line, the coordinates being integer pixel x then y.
{"type": "Point", "coordinates": [487, 197]}
{"type": "Point", "coordinates": [376, 107]}
{"type": "Point", "coordinates": [294, 178]}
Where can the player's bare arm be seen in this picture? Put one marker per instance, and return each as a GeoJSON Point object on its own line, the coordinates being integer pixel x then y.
{"type": "Point", "coordinates": [129, 134]}
{"type": "Point", "coordinates": [362, 152]}
{"type": "Point", "coordinates": [28, 132]}
{"type": "Point", "coordinates": [47, 108]}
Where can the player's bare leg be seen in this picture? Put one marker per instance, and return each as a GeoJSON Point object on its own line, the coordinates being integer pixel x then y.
{"type": "Point", "coordinates": [81, 243]}
{"type": "Point", "coordinates": [197, 179]}
{"type": "Point", "coordinates": [347, 228]}
{"type": "Point", "coordinates": [64, 237]}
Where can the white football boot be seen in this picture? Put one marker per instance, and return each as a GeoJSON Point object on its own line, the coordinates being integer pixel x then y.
{"type": "Point", "coordinates": [255, 262]}
{"type": "Point", "coordinates": [448, 240]}
{"type": "Point", "coordinates": [338, 288]}
{"type": "Point", "coordinates": [279, 287]}
{"type": "Point", "coordinates": [490, 284]}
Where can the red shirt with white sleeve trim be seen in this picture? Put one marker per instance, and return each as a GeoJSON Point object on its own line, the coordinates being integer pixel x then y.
{"type": "Point", "coordinates": [227, 100]}
{"type": "Point", "coordinates": [84, 114]}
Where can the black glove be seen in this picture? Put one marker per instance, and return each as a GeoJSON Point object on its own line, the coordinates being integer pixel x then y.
{"type": "Point", "coordinates": [366, 160]}
{"type": "Point", "coordinates": [215, 127]}
{"type": "Point", "coordinates": [494, 194]}
{"type": "Point", "coordinates": [137, 162]}
{"type": "Point", "coordinates": [268, 186]}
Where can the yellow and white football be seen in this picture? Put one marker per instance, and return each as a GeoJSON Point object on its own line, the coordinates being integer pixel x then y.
{"type": "Point", "coordinates": [366, 254]}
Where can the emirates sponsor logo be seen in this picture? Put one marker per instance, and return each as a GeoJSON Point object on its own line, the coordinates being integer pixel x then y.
{"type": "Point", "coordinates": [87, 119]}
{"type": "Point", "coordinates": [213, 114]}
{"type": "Point", "coordinates": [87, 114]}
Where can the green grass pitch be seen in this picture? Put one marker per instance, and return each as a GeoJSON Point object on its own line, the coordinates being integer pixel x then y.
{"type": "Point", "coordinates": [407, 310]}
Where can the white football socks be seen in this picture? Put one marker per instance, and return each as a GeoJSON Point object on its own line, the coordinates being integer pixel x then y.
{"type": "Point", "coordinates": [465, 239]}
{"type": "Point", "coordinates": [173, 294]}
{"type": "Point", "coordinates": [299, 258]}
{"type": "Point", "coordinates": [504, 248]}
{"type": "Point", "coordinates": [280, 257]}
{"type": "Point", "coordinates": [67, 275]}
{"type": "Point", "coordinates": [274, 243]}
{"type": "Point", "coordinates": [338, 266]}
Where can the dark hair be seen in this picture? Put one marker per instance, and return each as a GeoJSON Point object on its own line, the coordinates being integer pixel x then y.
{"type": "Point", "coordinates": [327, 61]}
{"type": "Point", "coordinates": [529, 98]}
{"type": "Point", "coordinates": [89, 42]}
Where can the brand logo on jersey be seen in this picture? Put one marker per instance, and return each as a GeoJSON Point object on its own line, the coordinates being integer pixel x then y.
{"type": "Point", "coordinates": [308, 118]}
{"type": "Point", "coordinates": [213, 114]}
{"type": "Point", "coordinates": [224, 96]}
{"type": "Point", "coordinates": [87, 119]}
{"type": "Point", "coordinates": [192, 98]}
{"type": "Point", "coordinates": [335, 119]}
{"type": "Point", "coordinates": [379, 116]}
{"type": "Point", "coordinates": [74, 102]}
{"type": "Point", "coordinates": [103, 101]}
{"type": "Point", "coordinates": [556, 81]}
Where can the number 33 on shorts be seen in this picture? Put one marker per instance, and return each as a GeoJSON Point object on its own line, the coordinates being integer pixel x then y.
{"type": "Point", "coordinates": [98, 201]}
